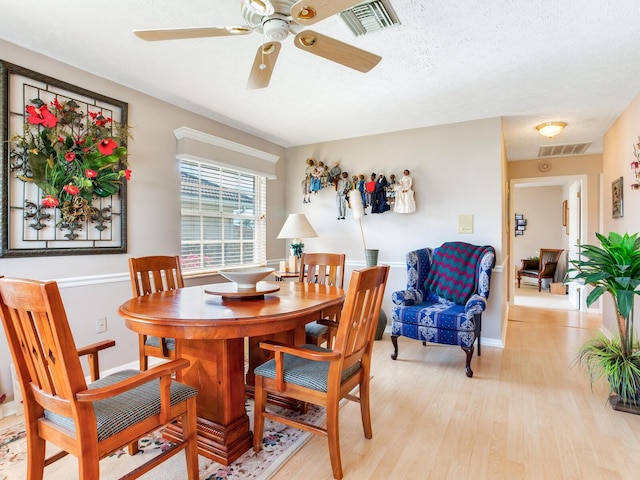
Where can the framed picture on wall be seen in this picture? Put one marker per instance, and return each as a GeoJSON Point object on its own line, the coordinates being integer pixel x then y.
{"type": "Point", "coordinates": [616, 198]}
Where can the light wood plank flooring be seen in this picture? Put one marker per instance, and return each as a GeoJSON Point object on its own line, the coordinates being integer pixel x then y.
{"type": "Point", "coordinates": [526, 413]}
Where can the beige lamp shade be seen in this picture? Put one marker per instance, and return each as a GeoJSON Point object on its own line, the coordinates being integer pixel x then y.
{"type": "Point", "coordinates": [296, 227]}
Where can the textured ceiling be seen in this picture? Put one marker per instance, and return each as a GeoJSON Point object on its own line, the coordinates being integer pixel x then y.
{"type": "Point", "coordinates": [527, 61]}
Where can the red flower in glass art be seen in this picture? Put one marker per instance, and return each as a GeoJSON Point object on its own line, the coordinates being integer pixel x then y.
{"type": "Point", "coordinates": [73, 156]}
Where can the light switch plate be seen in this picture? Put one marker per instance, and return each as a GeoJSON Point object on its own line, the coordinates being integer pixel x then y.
{"type": "Point", "coordinates": [465, 223]}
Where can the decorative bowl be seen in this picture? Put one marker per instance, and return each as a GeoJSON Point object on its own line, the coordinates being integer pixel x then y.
{"type": "Point", "coordinates": [246, 278]}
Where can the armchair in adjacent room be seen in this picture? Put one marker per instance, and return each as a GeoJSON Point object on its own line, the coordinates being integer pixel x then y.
{"type": "Point", "coordinates": [447, 291]}
{"type": "Point", "coordinates": [541, 268]}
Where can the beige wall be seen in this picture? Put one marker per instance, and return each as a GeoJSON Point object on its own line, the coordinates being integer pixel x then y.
{"type": "Point", "coordinates": [456, 169]}
{"type": "Point", "coordinates": [589, 165]}
{"type": "Point", "coordinates": [94, 286]}
{"type": "Point", "coordinates": [618, 154]}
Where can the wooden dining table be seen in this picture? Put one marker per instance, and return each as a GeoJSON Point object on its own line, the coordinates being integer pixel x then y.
{"type": "Point", "coordinates": [210, 331]}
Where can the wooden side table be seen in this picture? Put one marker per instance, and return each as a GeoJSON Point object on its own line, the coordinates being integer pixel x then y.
{"type": "Point", "coordinates": [280, 276]}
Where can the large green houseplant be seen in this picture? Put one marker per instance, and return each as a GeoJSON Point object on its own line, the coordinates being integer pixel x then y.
{"type": "Point", "coordinates": [614, 267]}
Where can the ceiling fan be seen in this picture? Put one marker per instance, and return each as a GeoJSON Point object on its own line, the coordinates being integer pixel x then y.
{"type": "Point", "coordinates": [276, 19]}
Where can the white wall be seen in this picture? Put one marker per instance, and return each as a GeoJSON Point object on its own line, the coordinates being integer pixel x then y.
{"type": "Point", "coordinates": [542, 209]}
{"type": "Point", "coordinates": [456, 169]}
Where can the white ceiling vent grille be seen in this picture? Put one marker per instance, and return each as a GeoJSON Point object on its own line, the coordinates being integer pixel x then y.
{"type": "Point", "coordinates": [369, 17]}
{"type": "Point", "coordinates": [563, 150]}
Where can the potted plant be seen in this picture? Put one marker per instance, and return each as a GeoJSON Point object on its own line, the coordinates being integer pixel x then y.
{"type": "Point", "coordinates": [614, 267]}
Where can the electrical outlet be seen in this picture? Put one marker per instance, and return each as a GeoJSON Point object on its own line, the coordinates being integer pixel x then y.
{"type": "Point", "coordinates": [101, 325]}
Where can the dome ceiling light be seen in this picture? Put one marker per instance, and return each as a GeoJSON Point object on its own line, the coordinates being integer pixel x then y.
{"type": "Point", "coordinates": [550, 129]}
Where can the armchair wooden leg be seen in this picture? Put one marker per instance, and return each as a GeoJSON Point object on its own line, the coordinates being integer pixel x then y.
{"type": "Point", "coordinates": [469, 352]}
{"type": "Point", "coordinates": [189, 420]}
{"type": "Point", "coordinates": [36, 456]}
{"type": "Point", "coordinates": [333, 437]}
{"type": "Point", "coordinates": [539, 285]}
{"type": "Point", "coordinates": [260, 403]}
{"type": "Point", "coordinates": [394, 340]}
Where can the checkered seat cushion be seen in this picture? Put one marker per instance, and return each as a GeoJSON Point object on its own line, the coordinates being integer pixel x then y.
{"type": "Point", "coordinates": [306, 373]}
{"type": "Point", "coordinates": [120, 412]}
{"type": "Point", "coordinates": [155, 342]}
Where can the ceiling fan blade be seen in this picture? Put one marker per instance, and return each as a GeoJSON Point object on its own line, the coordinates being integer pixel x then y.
{"type": "Point", "coordinates": [263, 64]}
{"type": "Point", "coordinates": [308, 12]}
{"type": "Point", "coordinates": [195, 32]}
{"type": "Point", "coordinates": [336, 51]}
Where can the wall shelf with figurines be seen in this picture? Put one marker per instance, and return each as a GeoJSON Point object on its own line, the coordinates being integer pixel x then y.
{"type": "Point", "coordinates": [378, 193]}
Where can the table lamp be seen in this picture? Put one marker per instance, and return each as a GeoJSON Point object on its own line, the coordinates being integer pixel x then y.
{"type": "Point", "coordinates": [296, 227]}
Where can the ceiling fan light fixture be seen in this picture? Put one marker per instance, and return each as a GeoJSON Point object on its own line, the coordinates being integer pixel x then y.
{"type": "Point", "coordinates": [239, 30]}
{"type": "Point", "coordinates": [550, 129]}
{"type": "Point", "coordinates": [268, 48]}
{"type": "Point", "coordinates": [261, 7]}
{"type": "Point", "coordinates": [307, 40]}
{"type": "Point", "coordinates": [307, 13]}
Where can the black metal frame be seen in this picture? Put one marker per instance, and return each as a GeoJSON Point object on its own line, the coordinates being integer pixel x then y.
{"type": "Point", "coordinates": [6, 250]}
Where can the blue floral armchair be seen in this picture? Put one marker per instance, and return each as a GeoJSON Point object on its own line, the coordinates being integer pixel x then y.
{"type": "Point", "coordinates": [447, 291]}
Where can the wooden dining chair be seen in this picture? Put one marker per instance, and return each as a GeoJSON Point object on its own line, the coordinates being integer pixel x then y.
{"type": "Point", "coordinates": [326, 268]}
{"type": "Point", "coordinates": [322, 376]}
{"type": "Point", "coordinates": [87, 421]}
{"type": "Point", "coordinates": [149, 275]}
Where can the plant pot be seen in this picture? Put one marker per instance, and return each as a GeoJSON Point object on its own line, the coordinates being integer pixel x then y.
{"type": "Point", "coordinates": [382, 324]}
{"type": "Point", "coordinates": [371, 257]}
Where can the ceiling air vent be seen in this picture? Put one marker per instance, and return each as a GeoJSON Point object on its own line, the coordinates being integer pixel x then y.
{"type": "Point", "coordinates": [563, 150]}
{"type": "Point", "coordinates": [369, 17]}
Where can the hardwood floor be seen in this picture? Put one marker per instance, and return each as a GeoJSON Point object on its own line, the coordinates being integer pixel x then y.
{"type": "Point", "coordinates": [526, 414]}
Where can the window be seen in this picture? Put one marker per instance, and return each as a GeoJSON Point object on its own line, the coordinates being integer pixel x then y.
{"type": "Point", "coordinates": [222, 218]}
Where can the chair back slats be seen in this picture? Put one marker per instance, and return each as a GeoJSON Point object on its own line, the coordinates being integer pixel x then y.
{"type": "Point", "coordinates": [41, 342]}
{"type": "Point", "coordinates": [155, 274]}
{"type": "Point", "coordinates": [359, 317]}
{"type": "Point", "coordinates": [325, 268]}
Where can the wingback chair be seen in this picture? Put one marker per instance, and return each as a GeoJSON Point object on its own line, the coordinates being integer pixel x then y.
{"type": "Point", "coordinates": [447, 291]}
{"type": "Point", "coordinates": [543, 267]}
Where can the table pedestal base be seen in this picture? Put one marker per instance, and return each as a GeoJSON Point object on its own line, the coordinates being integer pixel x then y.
{"type": "Point", "coordinates": [223, 445]}
{"type": "Point", "coordinates": [217, 370]}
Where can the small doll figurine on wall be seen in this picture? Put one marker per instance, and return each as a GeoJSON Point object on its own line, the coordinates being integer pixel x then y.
{"type": "Point", "coordinates": [391, 190]}
{"type": "Point", "coordinates": [316, 178]}
{"type": "Point", "coordinates": [370, 187]}
{"type": "Point", "coordinates": [334, 174]}
{"type": "Point", "coordinates": [380, 204]}
{"type": "Point", "coordinates": [342, 189]}
{"type": "Point", "coordinates": [306, 182]}
{"type": "Point", "coordinates": [405, 202]}
{"type": "Point", "coordinates": [326, 173]}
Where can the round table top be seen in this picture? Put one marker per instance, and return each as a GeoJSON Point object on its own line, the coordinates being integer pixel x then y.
{"type": "Point", "coordinates": [193, 313]}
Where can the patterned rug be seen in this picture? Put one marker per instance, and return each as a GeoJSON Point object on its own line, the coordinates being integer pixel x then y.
{"type": "Point", "coordinates": [279, 444]}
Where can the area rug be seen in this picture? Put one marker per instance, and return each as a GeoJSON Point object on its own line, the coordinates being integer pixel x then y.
{"type": "Point", "coordinates": [279, 444]}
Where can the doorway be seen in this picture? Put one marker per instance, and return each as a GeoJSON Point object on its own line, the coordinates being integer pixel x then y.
{"type": "Point", "coordinates": [553, 214]}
